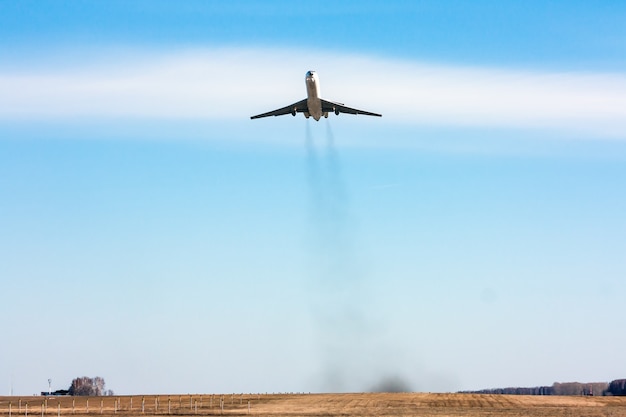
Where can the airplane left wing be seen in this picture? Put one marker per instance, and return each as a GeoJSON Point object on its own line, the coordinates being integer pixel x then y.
{"type": "Point", "coordinates": [299, 107]}
{"type": "Point", "coordinates": [330, 107]}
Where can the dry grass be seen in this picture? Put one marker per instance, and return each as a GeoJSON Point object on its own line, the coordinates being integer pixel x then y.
{"type": "Point", "coordinates": [317, 405]}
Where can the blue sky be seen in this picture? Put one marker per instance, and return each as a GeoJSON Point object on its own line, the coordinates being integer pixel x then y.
{"type": "Point", "coordinates": [152, 234]}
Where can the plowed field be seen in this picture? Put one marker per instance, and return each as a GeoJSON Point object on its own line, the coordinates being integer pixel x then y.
{"type": "Point", "coordinates": [315, 405]}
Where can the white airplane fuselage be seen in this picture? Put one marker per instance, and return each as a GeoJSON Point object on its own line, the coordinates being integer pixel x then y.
{"type": "Point", "coordinates": [313, 96]}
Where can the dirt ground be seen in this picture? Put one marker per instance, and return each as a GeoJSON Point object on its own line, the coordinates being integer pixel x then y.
{"type": "Point", "coordinates": [384, 404]}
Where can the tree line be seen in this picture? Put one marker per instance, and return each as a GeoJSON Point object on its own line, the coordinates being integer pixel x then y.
{"type": "Point", "coordinates": [616, 387]}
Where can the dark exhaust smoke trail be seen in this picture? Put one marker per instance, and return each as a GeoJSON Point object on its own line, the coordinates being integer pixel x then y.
{"type": "Point", "coordinates": [336, 296]}
{"type": "Point", "coordinates": [329, 262]}
{"type": "Point", "coordinates": [344, 326]}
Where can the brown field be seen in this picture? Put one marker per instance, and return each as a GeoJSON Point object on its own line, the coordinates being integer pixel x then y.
{"type": "Point", "coordinates": [315, 405]}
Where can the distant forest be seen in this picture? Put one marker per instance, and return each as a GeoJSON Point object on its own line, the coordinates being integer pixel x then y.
{"type": "Point", "coordinates": [617, 387]}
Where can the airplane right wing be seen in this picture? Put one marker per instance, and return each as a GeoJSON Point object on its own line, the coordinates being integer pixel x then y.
{"type": "Point", "coordinates": [299, 107]}
{"type": "Point", "coordinates": [329, 106]}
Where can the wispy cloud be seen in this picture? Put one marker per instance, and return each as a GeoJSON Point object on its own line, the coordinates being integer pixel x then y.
{"type": "Point", "coordinates": [229, 83]}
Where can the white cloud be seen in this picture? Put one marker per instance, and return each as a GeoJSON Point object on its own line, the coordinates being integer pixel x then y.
{"type": "Point", "coordinates": [229, 83]}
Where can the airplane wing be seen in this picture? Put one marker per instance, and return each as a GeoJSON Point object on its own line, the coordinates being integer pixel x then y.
{"type": "Point", "coordinates": [329, 106]}
{"type": "Point", "coordinates": [299, 107]}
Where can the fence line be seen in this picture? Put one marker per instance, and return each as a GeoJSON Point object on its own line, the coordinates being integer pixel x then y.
{"type": "Point", "coordinates": [126, 406]}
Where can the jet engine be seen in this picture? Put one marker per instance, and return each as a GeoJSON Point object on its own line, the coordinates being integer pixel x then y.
{"type": "Point", "coordinates": [306, 114]}
{"type": "Point", "coordinates": [326, 114]}
{"type": "Point", "coordinates": [293, 112]}
{"type": "Point", "coordinates": [336, 111]}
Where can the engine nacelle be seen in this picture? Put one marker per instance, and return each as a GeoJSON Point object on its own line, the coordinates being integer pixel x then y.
{"type": "Point", "coordinates": [336, 111]}
{"type": "Point", "coordinates": [306, 114]}
{"type": "Point", "coordinates": [293, 112]}
{"type": "Point", "coordinates": [326, 114]}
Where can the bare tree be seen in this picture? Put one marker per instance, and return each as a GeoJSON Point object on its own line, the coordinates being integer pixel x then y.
{"type": "Point", "coordinates": [86, 386]}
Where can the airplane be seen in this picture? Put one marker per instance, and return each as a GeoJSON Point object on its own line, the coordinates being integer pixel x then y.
{"type": "Point", "coordinates": [314, 106]}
